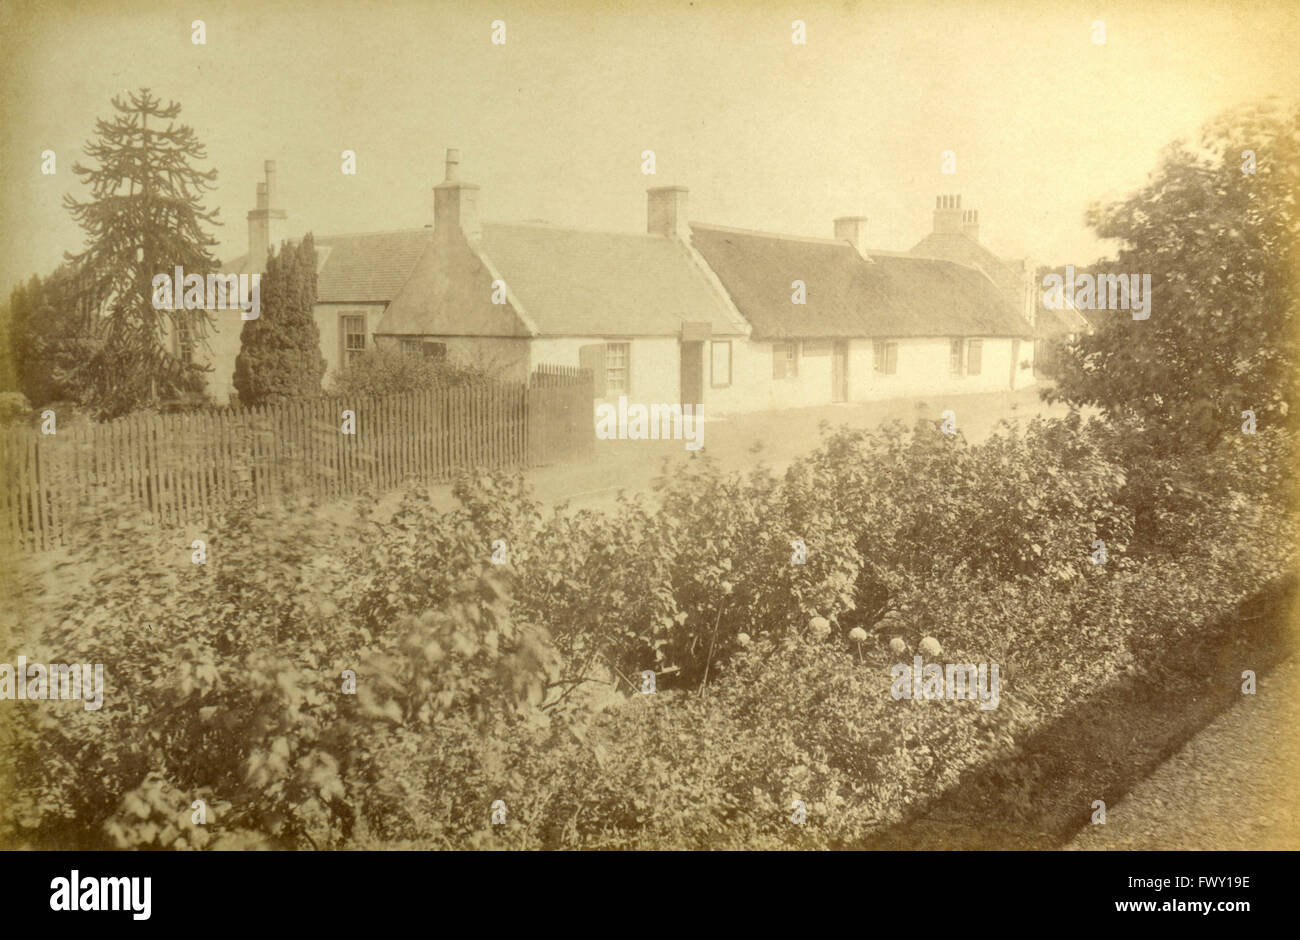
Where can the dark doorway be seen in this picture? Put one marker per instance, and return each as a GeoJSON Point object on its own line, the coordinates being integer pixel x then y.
{"type": "Point", "coordinates": [692, 373]}
{"type": "Point", "coordinates": [840, 371]}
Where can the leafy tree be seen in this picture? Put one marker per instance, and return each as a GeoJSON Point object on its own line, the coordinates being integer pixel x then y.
{"type": "Point", "coordinates": [144, 217]}
{"type": "Point", "coordinates": [49, 338]}
{"type": "Point", "coordinates": [280, 355]}
{"type": "Point", "coordinates": [1222, 248]}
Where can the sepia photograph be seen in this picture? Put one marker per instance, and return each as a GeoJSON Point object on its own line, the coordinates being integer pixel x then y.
{"type": "Point", "coordinates": [649, 426]}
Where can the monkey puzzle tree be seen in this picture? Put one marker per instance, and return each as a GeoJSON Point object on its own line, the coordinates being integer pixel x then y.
{"type": "Point", "coordinates": [279, 356]}
{"type": "Point", "coordinates": [145, 217]}
{"type": "Point", "coordinates": [1217, 226]}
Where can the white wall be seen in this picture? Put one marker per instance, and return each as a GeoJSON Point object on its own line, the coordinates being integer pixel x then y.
{"type": "Point", "coordinates": [654, 365]}
{"type": "Point", "coordinates": [923, 370]}
{"type": "Point", "coordinates": [220, 351]}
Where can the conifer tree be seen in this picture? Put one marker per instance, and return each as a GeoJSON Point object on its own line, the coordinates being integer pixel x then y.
{"type": "Point", "coordinates": [145, 217]}
{"type": "Point", "coordinates": [279, 357]}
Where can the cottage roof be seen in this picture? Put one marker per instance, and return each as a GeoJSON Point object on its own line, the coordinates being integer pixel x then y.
{"type": "Point", "coordinates": [561, 282]}
{"type": "Point", "coordinates": [848, 296]}
{"type": "Point", "coordinates": [583, 283]}
{"type": "Point", "coordinates": [370, 267]}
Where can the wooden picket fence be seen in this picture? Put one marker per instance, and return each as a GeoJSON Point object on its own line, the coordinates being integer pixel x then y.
{"type": "Point", "coordinates": [181, 468]}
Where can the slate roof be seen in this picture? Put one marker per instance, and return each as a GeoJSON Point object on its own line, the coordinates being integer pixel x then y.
{"type": "Point", "coordinates": [366, 268]}
{"type": "Point", "coordinates": [848, 296]}
{"type": "Point", "coordinates": [954, 246]}
{"type": "Point", "coordinates": [581, 283]}
{"type": "Point", "coordinates": [569, 282]}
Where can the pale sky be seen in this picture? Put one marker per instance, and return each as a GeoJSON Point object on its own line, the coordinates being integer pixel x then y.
{"type": "Point", "coordinates": [766, 134]}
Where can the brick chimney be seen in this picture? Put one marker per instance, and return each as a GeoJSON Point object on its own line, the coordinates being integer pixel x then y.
{"type": "Point", "coordinates": [266, 222]}
{"type": "Point", "coordinates": [455, 204]}
{"type": "Point", "coordinates": [970, 224]}
{"type": "Point", "coordinates": [666, 211]}
{"type": "Point", "coordinates": [853, 229]}
{"type": "Point", "coordinates": [947, 215]}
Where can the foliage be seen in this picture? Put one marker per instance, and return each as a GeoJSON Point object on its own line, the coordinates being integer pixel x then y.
{"type": "Point", "coordinates": [145, 216]}
{"type": "Point", "coordinates": [51, 331]}
{"type": "Point", "coordinates": [13, 408]}
{"type": "Point", "coordinates": [389, 368]}
{"type": "Point", "coordinates": [478, 682]}
{"type": "Point", "coordinates": [279, 357]}
{"type": "Point", "coordinates": [1221, 249]}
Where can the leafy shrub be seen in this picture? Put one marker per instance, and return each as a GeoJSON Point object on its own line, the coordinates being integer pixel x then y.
{"type": "Point", "coordinates": [479, 682]}
{"type": "Point", "coordinates": [387, 369]}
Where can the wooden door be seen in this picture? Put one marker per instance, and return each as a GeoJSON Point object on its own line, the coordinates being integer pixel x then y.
{"type": "Point", "coordinates": [692, 373]}
{"type": "Point", "coordinates": [840, 371]}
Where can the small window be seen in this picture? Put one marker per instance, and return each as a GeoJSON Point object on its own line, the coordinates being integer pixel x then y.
{"type": "Point", "coordinates": [435, 351]}
{"type": "Point", "coordinates": [184, 338]}
{"type": "Point", "coordinates": [884, 357]}
{"type": "Point", "coordinates": [785, 360]}
{"type": "Point", "coordinates": [617, 356]}
{"type": "Point", "coordinates": [974, 354]}
{"type": "Point", "coordinates": [352, 329]}
{"type": "Point", "coordinates": [720, 363]}
{"type": "Point", "coordinates": [410, 346]}
{"type": "Point", "coordinates": [955, 357]}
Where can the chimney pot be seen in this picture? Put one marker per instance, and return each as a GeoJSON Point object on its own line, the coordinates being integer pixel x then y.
{"type": "Point", "coordinates": [455, 204]}
{"type": "Point", "coordinates": [265, 221]}
{"type": "Point", "coordinates": [948, 216]}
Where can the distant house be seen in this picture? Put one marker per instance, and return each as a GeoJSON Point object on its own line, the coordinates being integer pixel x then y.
{"type": "Point", "coordinates": [1053, 329]}
{"type": "Point", "coordinates": [955, 236]}
{"type": "Point", "coordinates": [690, 313]}
{"type": "Point", "coordinates": [872, 325]}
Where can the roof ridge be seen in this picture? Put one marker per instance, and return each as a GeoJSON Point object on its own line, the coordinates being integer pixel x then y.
{"type": "Point", "coordinates": [556, 227]}
{"type": "Point", "coordinates": [808, 239]}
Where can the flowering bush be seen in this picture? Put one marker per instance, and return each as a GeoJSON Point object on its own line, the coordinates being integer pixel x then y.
{"type": "Point", "coordinates": [478, 681]}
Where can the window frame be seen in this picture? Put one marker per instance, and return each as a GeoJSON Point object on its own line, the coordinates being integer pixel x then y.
{"type": "Point", "coordinates": [957, 358]}
{"type": "Point", "coordinates": [884, 357]}
{"type": "Point", "coordinates": [183, 337]}
{"type": "Point", "coordinates": [713, 362]}
{"type": "Point", "coordinates": [624, 346]}
{"type": "Point", "coordinates": [974, 356]}
{"type": "Point", "coordinates": [345, 351]}
{"type": "Point", "coordinates": [789, 362]}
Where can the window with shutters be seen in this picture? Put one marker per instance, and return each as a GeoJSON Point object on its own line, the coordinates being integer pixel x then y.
{"type": "Point", "coordinates": [884, 357]}
{"type": "Point", "coordinates": [617, 365]}
{"type": "Point", "coordinates": [785, 360]}
{"type": "Point", "coordinates": [956, 357]}
{"type": "Point", "coordinates": [974, 355]}
{"type": "Point", "coordinates": [352, 333]}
